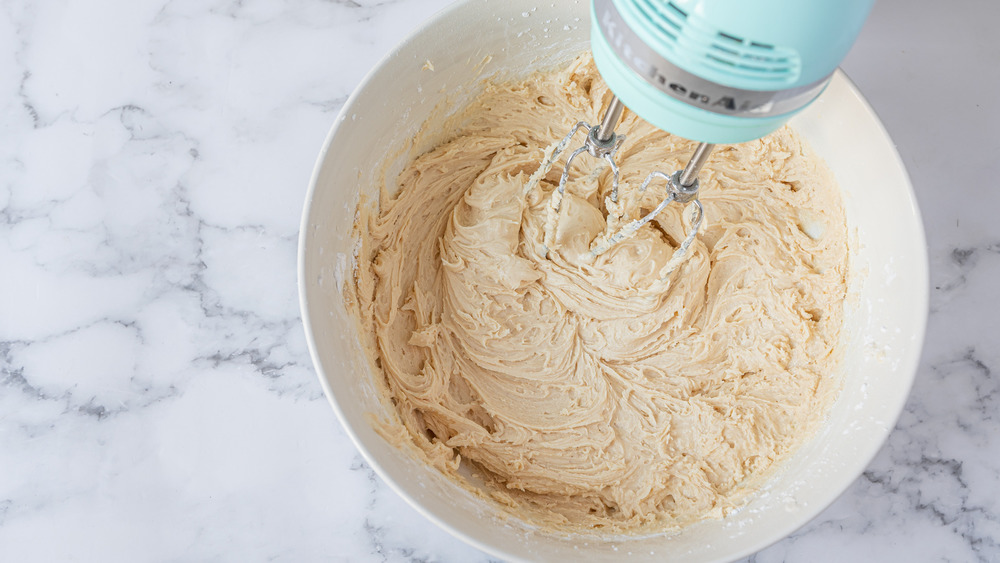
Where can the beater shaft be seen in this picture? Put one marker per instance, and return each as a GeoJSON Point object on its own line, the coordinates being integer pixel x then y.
{"type": "Point", "coordinates": [698, 160]}
{"type": "Point", "coordinates": [606, 130]}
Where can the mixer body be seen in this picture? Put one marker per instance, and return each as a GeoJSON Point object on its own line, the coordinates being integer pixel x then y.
{"type": "Point", "coordinates": [721, 71]}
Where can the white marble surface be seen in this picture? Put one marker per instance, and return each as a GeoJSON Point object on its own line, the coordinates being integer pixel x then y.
{"type": "Point", "coordinates": [157, 401]}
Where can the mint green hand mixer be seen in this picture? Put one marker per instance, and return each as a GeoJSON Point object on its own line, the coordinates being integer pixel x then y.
{"type": "Point", "coordinates": [713, 71]}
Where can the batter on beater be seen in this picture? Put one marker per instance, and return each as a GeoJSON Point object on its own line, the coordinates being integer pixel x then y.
{"type": "Point", "coordinates": [607, 392]}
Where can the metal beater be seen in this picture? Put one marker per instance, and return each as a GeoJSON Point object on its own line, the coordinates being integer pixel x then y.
{"type": "Point", "coordinates": [603, 143]}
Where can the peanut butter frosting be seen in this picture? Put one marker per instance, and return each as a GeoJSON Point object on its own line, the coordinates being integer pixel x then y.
{"type": "Point", "coordinates": [618, 392]}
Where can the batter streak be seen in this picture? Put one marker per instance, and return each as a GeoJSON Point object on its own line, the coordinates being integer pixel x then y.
{"type": "Point", "coordinates": [602, 393]}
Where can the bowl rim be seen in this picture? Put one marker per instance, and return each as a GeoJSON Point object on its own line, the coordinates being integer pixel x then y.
{"type": "Point", "coordinates": [908, 365]}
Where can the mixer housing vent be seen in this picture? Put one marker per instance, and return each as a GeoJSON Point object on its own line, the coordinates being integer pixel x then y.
{"type": "Point", "coordinates": [693, 42]}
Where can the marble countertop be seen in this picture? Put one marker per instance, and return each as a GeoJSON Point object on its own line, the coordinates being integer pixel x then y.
{"type": "Point", "coordinates": [157, 401]}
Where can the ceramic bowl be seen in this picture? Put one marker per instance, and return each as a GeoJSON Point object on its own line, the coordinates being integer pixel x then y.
{"type": "Point", "coordinates": [885, 314]}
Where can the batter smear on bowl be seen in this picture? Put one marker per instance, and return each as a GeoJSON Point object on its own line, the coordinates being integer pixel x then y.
{"type": "Point", "coordinates": [611, 392]}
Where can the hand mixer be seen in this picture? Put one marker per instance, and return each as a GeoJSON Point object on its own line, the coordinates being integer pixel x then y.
{"type": "Point", "coordinates": [713, 71]}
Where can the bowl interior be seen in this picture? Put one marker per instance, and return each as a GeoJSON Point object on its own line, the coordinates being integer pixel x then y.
{"type": "Point", "coordinates": [476, 40]}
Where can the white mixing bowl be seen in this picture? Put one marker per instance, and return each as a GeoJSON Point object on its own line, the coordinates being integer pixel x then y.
{"type": "Point", "coordinates": [885, 315]}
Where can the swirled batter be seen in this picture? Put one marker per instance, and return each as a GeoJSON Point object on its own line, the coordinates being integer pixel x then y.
{"type": "Point", "coordinates": [604, 393]}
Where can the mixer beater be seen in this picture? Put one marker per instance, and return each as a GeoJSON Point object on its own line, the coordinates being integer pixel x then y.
{"type": "Point", "coordinates": [603, 143]}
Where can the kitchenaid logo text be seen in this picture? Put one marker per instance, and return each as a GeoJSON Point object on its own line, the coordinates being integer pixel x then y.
{"type": "Point", "coordinates": [673, 85]}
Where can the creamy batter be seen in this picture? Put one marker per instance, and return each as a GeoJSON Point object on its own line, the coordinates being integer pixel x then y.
{"type": "Point", "coordinates": [605, 393]}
